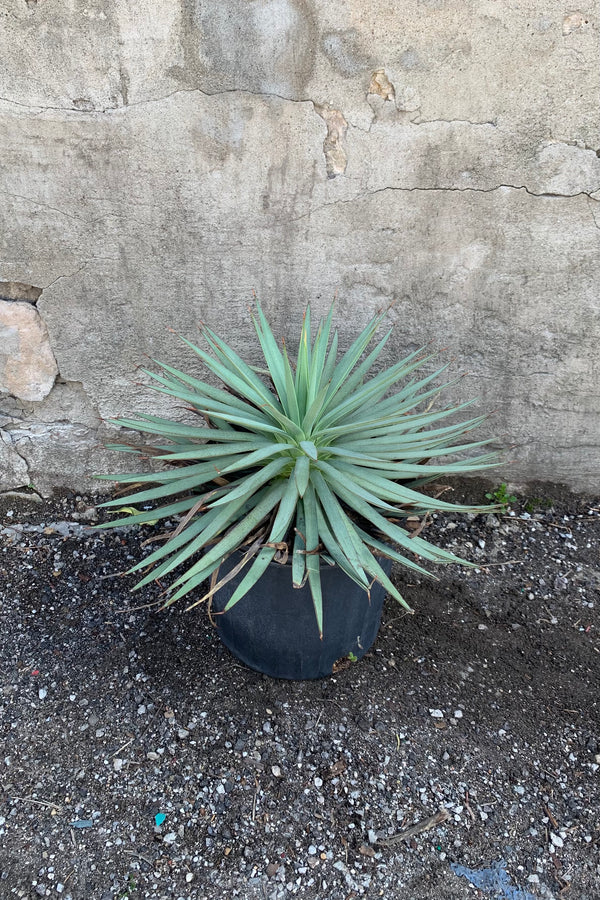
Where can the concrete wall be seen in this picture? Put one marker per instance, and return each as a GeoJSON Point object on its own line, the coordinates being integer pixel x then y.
{"type": "Point", "coordinates": [159, 161]}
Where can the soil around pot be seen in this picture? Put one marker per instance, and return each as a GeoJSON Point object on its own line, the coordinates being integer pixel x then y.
{"type": "Point", "coordinates": [140, 760]}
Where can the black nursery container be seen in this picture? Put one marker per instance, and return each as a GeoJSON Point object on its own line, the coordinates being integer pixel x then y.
{"type": "Point", "coordinates": [273, 628]}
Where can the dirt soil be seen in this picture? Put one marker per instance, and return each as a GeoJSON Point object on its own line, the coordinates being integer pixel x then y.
{"type": "Point", "coordinates": [141, 760]}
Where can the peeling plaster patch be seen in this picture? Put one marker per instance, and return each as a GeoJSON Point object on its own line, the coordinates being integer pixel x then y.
{"type": "Point", "coordinates": [567, 168]}
{"type": "Point", "coordinates": [336, 159]}
{"type": "Point", "coordinates": [16, 290]}
{"type": "Point", "coordinates": [381, 85]}
{"type": "Point", "coordinates": [574, 21]}
{"type": "Point", "coordinates": [27, 365]}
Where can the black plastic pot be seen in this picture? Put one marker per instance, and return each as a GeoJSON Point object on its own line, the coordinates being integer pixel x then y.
{"type": "Point", "coordinates": [274, 629]}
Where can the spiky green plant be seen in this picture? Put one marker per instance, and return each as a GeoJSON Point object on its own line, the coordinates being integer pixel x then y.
{"type": "Point", "coordinates": [323, 462]}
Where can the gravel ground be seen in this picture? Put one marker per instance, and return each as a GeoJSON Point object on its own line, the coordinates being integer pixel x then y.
{"type": "Point", "coordinates": [141, 760]}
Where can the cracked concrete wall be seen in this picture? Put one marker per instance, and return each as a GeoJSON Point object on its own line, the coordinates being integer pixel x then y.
{"type": "Point", "coordinates": [160, 163]}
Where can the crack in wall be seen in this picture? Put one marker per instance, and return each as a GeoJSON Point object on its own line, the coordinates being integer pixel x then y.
{"type": "Point", "coordinates": [268, 94]}
{"type": "Point", "coordinates": [66, 275]}
{"type": "Point", "coordinates": [111, 109]}
{"type": "Point", "coordinates": [336, 163]}
{"type": "Point", "coordinates": [490, 123]}
{"type": "Point", "coordinates": [42, 205]}
{"type": "Point", "coordinates": [409, 190]}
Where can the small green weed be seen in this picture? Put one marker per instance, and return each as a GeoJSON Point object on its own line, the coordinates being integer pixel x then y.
{"type": "Point", "coordinates": [129, 889]}
{"type": "Point", "coordinates": [501, 497]}
{"type": "Point", "coordinates": [537, 503]}
{"type": "Point", "coordinates": [352, 657]}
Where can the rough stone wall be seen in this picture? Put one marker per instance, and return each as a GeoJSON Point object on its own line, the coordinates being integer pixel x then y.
{"type": "Point", "coordinates": [159, 161]}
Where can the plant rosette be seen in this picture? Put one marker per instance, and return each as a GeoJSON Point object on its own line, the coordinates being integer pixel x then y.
{"type": "Point", "coordinates": [311, 464]}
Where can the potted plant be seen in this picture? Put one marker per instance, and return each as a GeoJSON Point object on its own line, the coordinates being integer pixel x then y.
{"type": "Point", "coordinates": [291, 490]}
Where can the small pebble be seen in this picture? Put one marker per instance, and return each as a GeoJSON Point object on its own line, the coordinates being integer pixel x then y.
{"type": "Point", "coordinates": [436, 713]}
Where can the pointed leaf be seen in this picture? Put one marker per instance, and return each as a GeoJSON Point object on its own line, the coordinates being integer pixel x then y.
{"type": "Point", "coordinates": [338, 520]}
{"type": "Point", "coordinates": [272, 353]}
{"type": "Point", "coordinates": [312, 556]}
{"type": "Point", "coordinates": [302, 473]}
{"type": "Point", "coordinates": [317, 359]}
{"type": "Point", "coordinates": [336, 552]}
{"type": "Point", "coordinates": [309, 448]}
{"type": "Point", "coordinates": [298, 555]}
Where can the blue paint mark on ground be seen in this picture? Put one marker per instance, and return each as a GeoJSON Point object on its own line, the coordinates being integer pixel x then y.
{"type": "Point", "coordinates": [495, 881]}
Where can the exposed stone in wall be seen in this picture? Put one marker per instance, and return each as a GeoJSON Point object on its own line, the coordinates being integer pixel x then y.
{"type": "Point", "coordinates": [56, 442]}
{"type": "Point", "coordinates": [57, 455]}
{"type": "Point", "coordinates": [27, 365]}
{"type": "Point", "coordinates": [67, 401]}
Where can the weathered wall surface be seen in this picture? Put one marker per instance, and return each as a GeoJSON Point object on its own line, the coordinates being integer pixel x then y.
{"type": "Point", "coordinates": [158, 162]}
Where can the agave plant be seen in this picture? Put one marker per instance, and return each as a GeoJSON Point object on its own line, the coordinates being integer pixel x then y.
{"type": "Point", "coordinates": [316, 459]}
